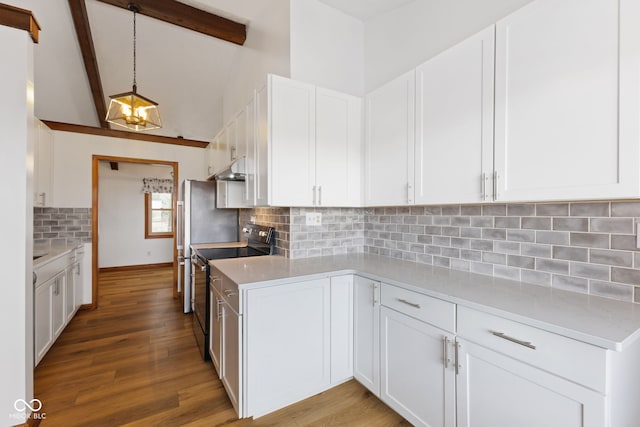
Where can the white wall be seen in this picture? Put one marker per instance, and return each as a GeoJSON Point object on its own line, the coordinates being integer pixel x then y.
{"type": "Point", "coordinates": [266, 50]}
{"type": "Point", "coordinates": [121, 217]}
{"type": "Point", "coordinates": [72, 158]}
{"type": "Point", "coordinates": [397, 41]}
{"type": "Point", "coordinates": [16, 186]}
{"type": "Point", "coordinates": [327, 47]}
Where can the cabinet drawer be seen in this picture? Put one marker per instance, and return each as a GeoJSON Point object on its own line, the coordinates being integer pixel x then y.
{"type": "Point", "coordinates": [577, 361]}
{"type": "Point", "coordinates": [439, 313]}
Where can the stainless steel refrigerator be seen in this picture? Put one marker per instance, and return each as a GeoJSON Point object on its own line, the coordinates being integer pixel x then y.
{"type": "Point", "coordinates": [199, 221]}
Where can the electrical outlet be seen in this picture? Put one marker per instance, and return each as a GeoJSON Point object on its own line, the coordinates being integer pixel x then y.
{"type": "Point", "coordinates": [253, 219]}
{"type": "Point", "coordinates": [314, 218]}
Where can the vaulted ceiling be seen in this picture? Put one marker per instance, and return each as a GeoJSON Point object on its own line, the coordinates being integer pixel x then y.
{"type": "Point", "coordinates": [183, 70]}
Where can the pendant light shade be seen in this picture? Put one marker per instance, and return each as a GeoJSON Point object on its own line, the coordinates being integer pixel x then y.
{"type": "Point", "coordinates": [130, 109]}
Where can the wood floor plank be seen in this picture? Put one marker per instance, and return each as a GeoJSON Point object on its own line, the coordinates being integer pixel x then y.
{"type": "Point", "coordinates": [134, 362]}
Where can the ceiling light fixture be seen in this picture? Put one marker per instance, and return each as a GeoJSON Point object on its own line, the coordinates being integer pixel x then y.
{"type": "Point", "coordinates": [132, 110]}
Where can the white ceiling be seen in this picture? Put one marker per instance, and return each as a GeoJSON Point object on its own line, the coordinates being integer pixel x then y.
{"type": "Point", "coordinates": [184, 71]}
{"type": "Point", "coordinates": [365, 9]}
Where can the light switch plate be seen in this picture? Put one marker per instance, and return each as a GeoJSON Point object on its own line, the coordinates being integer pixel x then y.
{"type": "Point", "coordinates": [314, 218]}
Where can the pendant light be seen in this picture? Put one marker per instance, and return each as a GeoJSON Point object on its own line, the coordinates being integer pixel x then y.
{"type": "Point", "coordinates": [132, 110]}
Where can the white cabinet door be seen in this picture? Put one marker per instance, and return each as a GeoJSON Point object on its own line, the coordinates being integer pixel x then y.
{"type": "Point", "coordinates": [341, 328]}
{"type": "Point", "coordinates": [250, 153]}
{"type": "Point", "coordinates": [261, 162]}
{"type": "Point", "coordinates": [58, 312]}
{"type": "Point", "coordinates": [43, 329]}
{"type": "Point", "coordinates": [232, 140]}
{"type": "Point", "coordinates": [496, 390]}
{"type": "Point", "coordinates": [241, 135]}
{"type": "Point", "coordinates": [231, 375]}
{"type": "Point", "coordinates": [69, 293]}
{"type": "Point", "coordinates": [215, 329]}
{"type": "Point", "coordinates": [288, 344]}
{"type": "Point", "coordinates": [292, 143]}
{"type": "Point", "coordinates": [417, 381]}
{"type": "Point", "coordinates": [43, 166]}
{"type": "Point", "coordinates": [454, 123]}
{"type": "Point", "coordinates": [366, 339]}
{"type": "Point", "coordinates": [567, 84]}
{"type": "Point", "coordinates": [338, 149]}
{"type": "Point", "coordinates": [389, 146]}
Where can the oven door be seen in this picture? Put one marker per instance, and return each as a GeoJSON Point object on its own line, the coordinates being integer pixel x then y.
{"type": "Point", "coordinates": [199, 290]}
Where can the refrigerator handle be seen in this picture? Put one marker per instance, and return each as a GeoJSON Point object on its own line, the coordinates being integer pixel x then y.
{"type": "Point", "coordinates": [180, 225]}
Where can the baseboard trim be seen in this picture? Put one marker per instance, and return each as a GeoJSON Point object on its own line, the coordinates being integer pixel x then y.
{"type": "Point", "coordinates": [134, 267]}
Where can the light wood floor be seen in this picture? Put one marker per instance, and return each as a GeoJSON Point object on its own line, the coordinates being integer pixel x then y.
{"type": "Point", "coordinates": [134, 362]}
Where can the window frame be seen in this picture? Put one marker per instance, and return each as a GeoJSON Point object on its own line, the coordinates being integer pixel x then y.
{"type": "Point", "coordinates": [148, 234]}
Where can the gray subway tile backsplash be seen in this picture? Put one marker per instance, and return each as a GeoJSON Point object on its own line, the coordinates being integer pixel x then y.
{"type": "Point", "coordinates": [60, 227]}
{"type": "Point", "coordinates": [587, 247]}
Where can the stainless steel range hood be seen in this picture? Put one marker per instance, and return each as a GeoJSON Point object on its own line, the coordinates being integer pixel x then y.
{"type": "Point", "coordinates": [236, 171]}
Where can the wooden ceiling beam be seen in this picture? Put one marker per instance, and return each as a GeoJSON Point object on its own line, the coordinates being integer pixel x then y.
{"type": "Point", "coordinates": [68, 127]}
{"type": "Point", "coordinates": [22, 19]}
{"type": "Point", "coordinates": [189, 17]}
{"type": "Point", "coordinates": [83, 32]}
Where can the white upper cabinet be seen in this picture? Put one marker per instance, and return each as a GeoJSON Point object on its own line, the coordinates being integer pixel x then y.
{"type": "Point", "coordinates": [389, 166]}
{"type": "Point", "coordinates": [261, 151]}
{"type": "Point", "coordinates": [314, 145]}
{"type": "Point", "coordinates": [338, 149]}
{"type": "Point", "coordinates": [292, 142]}
{"type": "Point", "coordinates": [567, 85]}
{"type": "Point", "coordinates": [454, 123]}
{"type": "Point", "coordinates": [43, 166]}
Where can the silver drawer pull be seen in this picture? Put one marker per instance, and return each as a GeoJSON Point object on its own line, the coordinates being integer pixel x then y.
{"type": "Point", "coordinates": [515, 340]}
{"type": "Point", "coordinates": [412, 304]}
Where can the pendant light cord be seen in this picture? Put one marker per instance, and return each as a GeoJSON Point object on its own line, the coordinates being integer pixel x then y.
{"type": "Point", "coordinates": [134, 9]}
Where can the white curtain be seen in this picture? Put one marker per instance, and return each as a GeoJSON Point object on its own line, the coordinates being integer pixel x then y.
{"type": "Point", "coordinates": [157, 185]}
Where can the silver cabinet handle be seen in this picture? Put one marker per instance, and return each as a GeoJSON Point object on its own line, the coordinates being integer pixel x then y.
{"type": "Point", "coordinates": [374, 287]}
{"type": "Point", "coordinates": [457, 356]}
{"type": "Point", "coordinates": [313, 190]}
{"type": "Point", "coordinates": [409, 188]}
{"type": "Point", "coordinates": [495, 185]}
{"type": "Point", "coordinates": [320, 195]}
{"type": "Point", "coordinates": [412, 304]}
{"type": "Point", "coordinates": [445, 351]}
{"type": "Point", "coordinates": [527, 344]}
{"type": "Point", "coordinates": [483, 186]}
{"type": "Point", "coordinates": [218, 311]}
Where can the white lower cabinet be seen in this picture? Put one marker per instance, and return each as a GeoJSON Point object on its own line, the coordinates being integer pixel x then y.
{"type": "Point", "coordinates": [513, 374]}
{"type": "Point", "coordinates": [215, 328]}
{"type": "Point", "coordinates": [43, 333]}
{"type": "Point", "coordinates": [230, 373]}
{"type": "Point", "coordinates": [288, 344]}
{"type": "Point", "coordinates": [366, 334]}
{"type": "Point", "coordinates": [416, 379]}
{"type": "Point", "coordinates": [497, 390]}
{"type": "Point", "coordinates": [299, 341]}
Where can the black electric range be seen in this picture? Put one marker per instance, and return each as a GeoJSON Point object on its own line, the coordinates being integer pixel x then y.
{"type": "Point", "coordinates": [260, 241]}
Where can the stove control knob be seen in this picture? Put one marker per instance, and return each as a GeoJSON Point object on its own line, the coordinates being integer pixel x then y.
{"type": "Point", "coordinates": [262, 234]}
{"type": "Point", "coordinates": [245, 230]}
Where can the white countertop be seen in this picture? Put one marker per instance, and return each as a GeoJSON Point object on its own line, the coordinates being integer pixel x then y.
{"type": "Point", "coordinates": [51, 254]}
{"type": "Point", "coordinates": [599, 321]}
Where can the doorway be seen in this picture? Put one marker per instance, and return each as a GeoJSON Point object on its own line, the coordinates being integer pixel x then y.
{"type": "Point", "coordinates": [95, 216]}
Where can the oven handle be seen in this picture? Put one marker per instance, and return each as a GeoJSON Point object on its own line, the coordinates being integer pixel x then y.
{"type": "Point", "coordinates": [196, 261]}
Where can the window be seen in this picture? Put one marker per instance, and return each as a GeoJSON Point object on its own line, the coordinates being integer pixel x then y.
{"type": "Point", "coordinates": [158, 215]}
